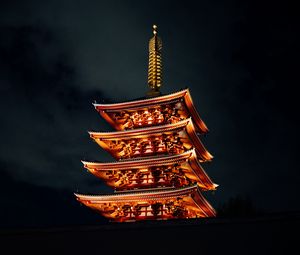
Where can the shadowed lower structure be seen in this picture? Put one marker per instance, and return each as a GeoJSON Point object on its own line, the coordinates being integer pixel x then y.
{"type": "Point", "coordinates": [158, 172]}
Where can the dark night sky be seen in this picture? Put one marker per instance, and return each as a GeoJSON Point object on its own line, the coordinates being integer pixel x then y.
{"type": "Point", "coordinates": [56, 57]}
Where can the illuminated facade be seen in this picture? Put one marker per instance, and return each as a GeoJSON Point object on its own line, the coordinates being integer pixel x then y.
{"type": "Point", "coordinates": [158, 172]}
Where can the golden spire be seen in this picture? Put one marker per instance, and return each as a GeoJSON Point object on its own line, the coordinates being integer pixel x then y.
{"type": "Point", "coordinates": [155, 64]}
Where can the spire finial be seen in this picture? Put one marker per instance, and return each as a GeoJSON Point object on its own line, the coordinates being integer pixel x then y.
{"type": "Point", "coordinates": [154, 29]}
{"type": "Point", "coordinates": [155, 64]}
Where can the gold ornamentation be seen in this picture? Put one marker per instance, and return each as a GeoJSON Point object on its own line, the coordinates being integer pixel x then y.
{"type": "Point", "coordinates": [155, 64]}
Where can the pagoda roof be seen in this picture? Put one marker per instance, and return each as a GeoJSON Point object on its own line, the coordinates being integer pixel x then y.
{"type": "Point", "coordinates": [154, 194]}
{"type": "Point", "coordinates": [194, 170]}
{"type": "Point", "coordinates": [184, 95]}
{"type": "Point", "coordinates": [146, 132]}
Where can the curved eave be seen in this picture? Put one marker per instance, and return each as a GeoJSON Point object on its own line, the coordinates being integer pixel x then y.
{"type": "Point", "coordinates": [203, 204]}
{"type": "Point", "coordinates": [200, 149]}
{"type": "Point", "coordinates": [190, 156]}
{"type": "Point", "coordinates": [139, 131]}
{"type": "Point", "coordinates": [199, 123]}
{"type": "Point", "coordinates": [141, 103]}
{"type": "Point", "coordinates": [186, 124]}
{"type": "Point", "coordinates": [200, 173]}
{"type": "Point", "coordinates": [185, 94]}
{"type": "Point", "coordinates": [152, 195]}
{"type": "Point", "coordinates": [139, 162]}
{"type": "Point", "coordinates": [135, 195]}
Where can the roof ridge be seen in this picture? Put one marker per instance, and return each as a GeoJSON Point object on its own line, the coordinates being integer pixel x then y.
{"type": "Point", "coordinates": [165, 126]}
{"type": "Point", "coordinates": [145, 99]}
{"type": "Point", "coordinates": [151, 191]}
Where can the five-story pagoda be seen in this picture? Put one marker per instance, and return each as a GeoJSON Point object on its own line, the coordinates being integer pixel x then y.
{"type": "Point", "coordinates": [158, 172]}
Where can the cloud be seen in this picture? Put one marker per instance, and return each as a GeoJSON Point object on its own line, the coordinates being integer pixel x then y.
{"type": "Point", "coordinates": [45, 115]}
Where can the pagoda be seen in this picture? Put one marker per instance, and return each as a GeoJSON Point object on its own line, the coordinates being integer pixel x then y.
{"type": "Point", "coordinates": [158, 170]}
